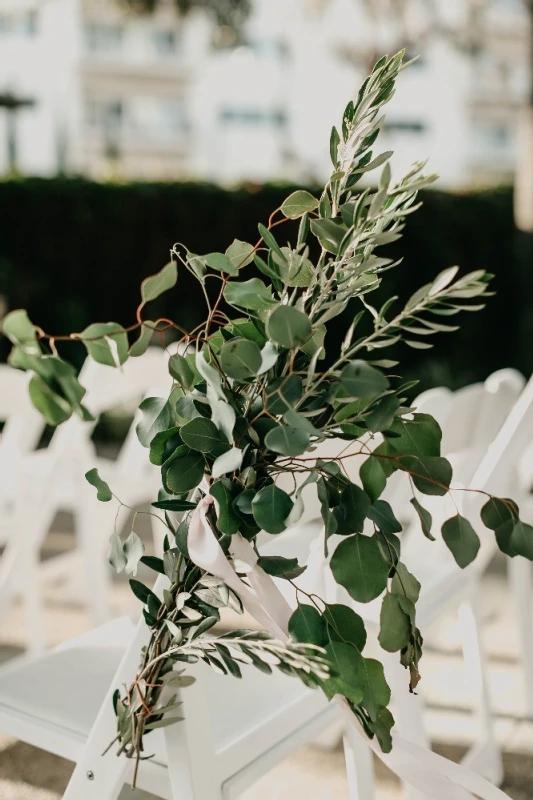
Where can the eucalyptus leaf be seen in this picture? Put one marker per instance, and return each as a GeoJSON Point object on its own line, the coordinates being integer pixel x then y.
{"type": "Point", "coordinates": [359, 379]}
{"type": "Point", "coordinates": [252, 294]}
{"type": "Point", "coordinates": [307, 624]}
{"type": "Point", "coordinates": [288, 327]}
{"type": "Point", "coordinates": [425, 518]}
{"type": "Point", "coordinates": [181, 371]}
{"type": "Point", "coordinates": [461, 539]}
{"type": "Point", "coordinates": [358, 564]}
{"type": "Point", "coordinates": [395, 625]}
{"type": "Point", "coordinates": [228, 462]}
{"type": "Point", "coordinates": [271, 506]}
{"type": "Point", "coordinates": [184, 473]}
{"type": "Point", "coordinates": [240, 253]}
{"type": "Point", "coordinates": [221, 263]}
{"type": "Point", "coordinates": [115, 553]}
{"type": "Point", "coordinates": [106, 343]}
{"type": "Point", "coordinates": [54, 408]}
{"type": "Point", "coordinates": [298, 203]}
{"type": "Point", "coordinates": [280, 567]}
{"type": "Point", "coordinates": [240, 358]}
{"type": "Point", "coordinates": [162, 281]}
{"type": "Point", "coordinates": [156, 417]}
{"type": "Point", "coordinates": [103, 492]}
{"type": "Point", "coordinates": [287, 440]}
{"type": "Point", "coordinates": [203, 435]}
{"type": "Point", "coordinates": [143, 341]}
{"type": "Point", "coordinates": [133, 551]}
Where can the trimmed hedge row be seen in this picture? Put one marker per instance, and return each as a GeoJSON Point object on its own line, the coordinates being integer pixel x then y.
{"type": "Point", "coordinates": [74, 252]}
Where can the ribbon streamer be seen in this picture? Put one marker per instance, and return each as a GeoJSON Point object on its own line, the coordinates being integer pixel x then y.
{"type": "Point", "coordinates": [421, 768]}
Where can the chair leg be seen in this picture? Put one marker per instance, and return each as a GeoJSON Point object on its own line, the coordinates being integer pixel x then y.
{"type": "Point", "coordinates": [94, 525]}
{"type": "Point", "coordinates": [408, 712]}
{"type": "Point", "coordinates": [32, 597]}
{"type": "Point", "coordinates": [359, 766]}
{"type": "Point", "coordinates": [521, 586]}
{"type": "Point", "coordinates": [486, 757]}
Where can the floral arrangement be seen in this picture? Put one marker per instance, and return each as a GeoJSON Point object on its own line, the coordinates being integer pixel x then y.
{"type": "Point", "coordinates": [256, 390]}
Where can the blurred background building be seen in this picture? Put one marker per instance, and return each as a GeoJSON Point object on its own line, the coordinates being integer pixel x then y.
{"type": "Point", "coordinates": [88, 87]}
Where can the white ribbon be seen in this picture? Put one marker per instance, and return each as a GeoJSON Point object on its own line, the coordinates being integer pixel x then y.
{"type": "Point", "coordinates": [421, 768]}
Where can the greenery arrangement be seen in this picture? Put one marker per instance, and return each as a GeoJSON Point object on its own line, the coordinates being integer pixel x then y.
{"type": "Point", "coordinates": [250, 404]}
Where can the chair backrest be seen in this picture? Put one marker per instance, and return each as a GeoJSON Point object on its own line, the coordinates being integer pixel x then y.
{"type": "Point", "coordinates": [108, 388]}
{"type": "Point", "coordinates": [460, 419]}
{"type": "Point", "coordinates": [23, 425]}
{"type": "Point", "coordinates": [435, 402]}
{"type": "Point", "coordinates": [502, 390]}
{"type": "Point", "coordinates": [499, 472]}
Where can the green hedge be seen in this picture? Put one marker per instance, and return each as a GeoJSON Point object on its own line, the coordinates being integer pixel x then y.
{"type": "Point", "coordinates": [73, 251]}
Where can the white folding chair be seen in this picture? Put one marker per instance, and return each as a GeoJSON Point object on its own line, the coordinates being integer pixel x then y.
{"type": "Point", "coordinates": [445, 587]}
{"type": "Point", "coordinates": [53, 478]}
{"type": "Point", "coordinates": [233, 733]}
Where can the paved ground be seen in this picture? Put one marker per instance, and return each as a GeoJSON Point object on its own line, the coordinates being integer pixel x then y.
{"type": "Point", "coordinates": [313, 774]}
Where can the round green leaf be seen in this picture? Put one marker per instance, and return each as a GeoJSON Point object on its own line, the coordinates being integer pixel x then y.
{"type": "Point", "coordinates": [156, 417]}
{"type": "Point", "coordinates": [181, 371]}
{"type": "Point", "coordinates": [161, 282]}
{"type": "Point", "coordinates": [240, 358]}
{"type": "Point", "coordinates": [497, 512]}
{"type": "Point", "coordinates": [106, 343]}
{"type": "Point", "coordinates": [295, 269]}
{"type": "Point", "coordinates": [359, 379]}
{"type": "Point", "coordinates": [431, 475]}
{"type": "Point", "coordinates": [298, 203]}
{"type": "Point", "coordinates": [184, 473]}
{"type": "Point", "coordinates": [19, 329]}
{"type": "Point", "coordinates": [404, 582]}
{"type": "Point", "coordinates": [345, 625]}
{"type": "Point", "coordinates": [229, 461]}
{"type": "Point", "coordinates": [358, 564]}
{"type": "Point", "coordinates": [316, 342]}
{"type": "Point", "coordinates": [382, 515]}
{"type": "Point", "coordinates": [522, 540]}
{"type": "Point", "coordinates": [284, 393]}
{"type": "Point", "coordinates": [461, 539]}
{"type": "Point", "coordinates": [221, 263]}
{"type": "Point", "coordinates": [55, 409]}
{"type": "Point", "coordinates": [346, 677]}
{"type": "Point", "coordinates": [240, 253]}
{"type": "Point", "coordinates": [201, 434]}
{"type": "Point", "coordinates": [252, 294]}
{"type": "Point", "coordinates": [287, 440]}
{"type": "Point", "coordinates": [271, 507]}
{"type": "Point", "coordinates": [352, 510]}
{"type": "Point", "coordinates": [288, 327]}
{"type": "Point", "coordinates": [308, 625]}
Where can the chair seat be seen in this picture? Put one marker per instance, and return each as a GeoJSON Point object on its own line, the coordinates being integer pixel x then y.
{"type": "Point", "coordinates": [65, 688]}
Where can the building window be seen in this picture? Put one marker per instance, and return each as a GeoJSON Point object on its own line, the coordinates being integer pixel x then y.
{"type": "Point", "coordinates": [102, 38]}
{"type": "Point", "coordinates": [251, 116]}
{"type": "Point", "coordinates": [103, 114]}
{"type": "Point", "coordinates": [25, 24]}
{"type": "Point", "coordinates": [492, 135]}
{"type": "Point", "coordinates": [165, 43]}
{"type": "Point", "coordinates": [404, 126]}
{"type": "Point", "coordinates": [172, 119]}
{"type": "Point", "coordinates": [269, 49]}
